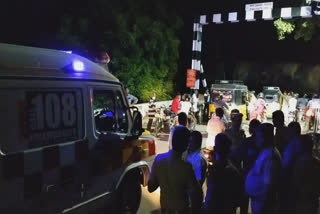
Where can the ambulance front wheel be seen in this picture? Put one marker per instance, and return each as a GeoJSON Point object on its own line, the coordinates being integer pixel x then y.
{"type": "Point", "coordinates": [130, 195]}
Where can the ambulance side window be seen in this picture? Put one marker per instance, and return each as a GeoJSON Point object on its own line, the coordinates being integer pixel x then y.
{"type": "Point", "coordinates": [122, 116]}
{"type": "Point", "coordinates": [109, 111]}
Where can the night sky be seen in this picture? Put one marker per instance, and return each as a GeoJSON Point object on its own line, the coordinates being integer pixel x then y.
{"type": "Point", "coordinates": [35, 22]}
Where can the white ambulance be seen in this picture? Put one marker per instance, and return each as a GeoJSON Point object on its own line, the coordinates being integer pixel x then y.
{"type": "Point", "coordinates": [68, 140]}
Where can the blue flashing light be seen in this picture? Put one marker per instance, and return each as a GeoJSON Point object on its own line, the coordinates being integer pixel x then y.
{"type": "Point", "coordinates": [108, 114]}
{"type": "Point", "coordinates": [78, 74]}
{"type": "Point", "coordinates": [78, 65]}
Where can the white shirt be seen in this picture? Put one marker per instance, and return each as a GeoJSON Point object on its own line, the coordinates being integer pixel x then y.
{"type": "Point", "coordinates": [293, 104]}
{"type": "Point", "coordinates": [314, 103]}
{"type": "Point", "coordinates": [194, 101]}
{"type": "Point", "coordinates": [185, 107]}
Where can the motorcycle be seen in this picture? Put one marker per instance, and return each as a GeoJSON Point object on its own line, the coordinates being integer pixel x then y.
{"type": "Point", "coordinates": [192, 120]}
{"type": "Point", "coordinates": [164, 118]}
{"type": "Point", "coordinates": [171, 116]}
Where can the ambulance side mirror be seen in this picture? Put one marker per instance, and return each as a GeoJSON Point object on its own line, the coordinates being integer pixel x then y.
{"type": "Point", "coordinates": [137, 129]}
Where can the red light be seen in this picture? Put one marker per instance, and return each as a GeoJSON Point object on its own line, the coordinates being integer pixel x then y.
{"type": "Point", "coordinates": [104, 58]}
{"type": "Point", "coordinates": [152, 148]}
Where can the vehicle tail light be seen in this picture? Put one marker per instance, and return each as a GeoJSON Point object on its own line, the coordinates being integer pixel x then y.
{"type": "Point", "coordinates": [152, 148]}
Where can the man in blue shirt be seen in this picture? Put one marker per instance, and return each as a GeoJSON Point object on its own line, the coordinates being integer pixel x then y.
{"type": "Point", "coordinates": [131, 99]}
{"type": "Point", "coordinates": [263, 180]}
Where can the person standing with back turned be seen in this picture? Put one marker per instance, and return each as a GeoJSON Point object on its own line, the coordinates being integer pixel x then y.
{"type": "Point", "coordinates": [225, 185]}
{"type": "Point", "coordinates": [262, 183]}
{"type": "Point", "coordinates": [176, 178]}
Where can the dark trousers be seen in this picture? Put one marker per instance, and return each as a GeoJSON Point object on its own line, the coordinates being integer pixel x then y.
{"type": "Point", "coordinates": [149, 125]}
{"type": "Point", "coordinates": [206, 112]}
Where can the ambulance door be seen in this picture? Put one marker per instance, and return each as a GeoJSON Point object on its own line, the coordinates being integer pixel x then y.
{"type": "Point", "coordinates": [43, 141]}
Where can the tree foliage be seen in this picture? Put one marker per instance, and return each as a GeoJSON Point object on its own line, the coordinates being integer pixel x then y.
{"type": "Point", "coordinates": [299, 29]}
{"type": "Point", "coordinates": [140, 36]}
{"type": "Point", "coordinates": [284, 28]}
{"type": "Point", "coordinates": [304, 29]}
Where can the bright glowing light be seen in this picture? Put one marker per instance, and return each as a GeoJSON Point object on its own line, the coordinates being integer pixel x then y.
{"type": "Point", "coordinates": [68, 52]}
{"type": "Point", "coordinates": [108, 114]}
{"type": "Point", "coordinates": [78, 66]}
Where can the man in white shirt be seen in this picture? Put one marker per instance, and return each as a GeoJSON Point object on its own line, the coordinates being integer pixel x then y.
{"type": "Point", "coordinates": [185, 105]}
{"type": "Point", "coordinates": [194, 101]}
{"type": "Point", "coordinates": [293, 103]}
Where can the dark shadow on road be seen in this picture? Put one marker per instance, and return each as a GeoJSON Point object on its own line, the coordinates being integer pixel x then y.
{"type": "Point", "coordinates": [158, 211]}
{"type": "Point", "coordinates": [163, 137]}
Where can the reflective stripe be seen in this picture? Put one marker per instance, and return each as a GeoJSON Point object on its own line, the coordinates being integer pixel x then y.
{"type": "Point", "coordinates": [85, 203]}
{"type": "Point", "coordinates": [43, 167]}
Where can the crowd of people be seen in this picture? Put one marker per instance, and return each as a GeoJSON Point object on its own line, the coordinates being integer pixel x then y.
{"type": "Point", "coordinates": [295, 107]}
{"type": "Point", "coordinates": [197, 105]}
{"type": "Point", "coordinates": [186, 103]}
{"type": "Point", "coordinates": [273, 168]}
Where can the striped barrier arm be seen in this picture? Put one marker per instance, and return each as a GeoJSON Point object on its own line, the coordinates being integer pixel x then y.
{"type": "Point", "coordinates": [247, 15]}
